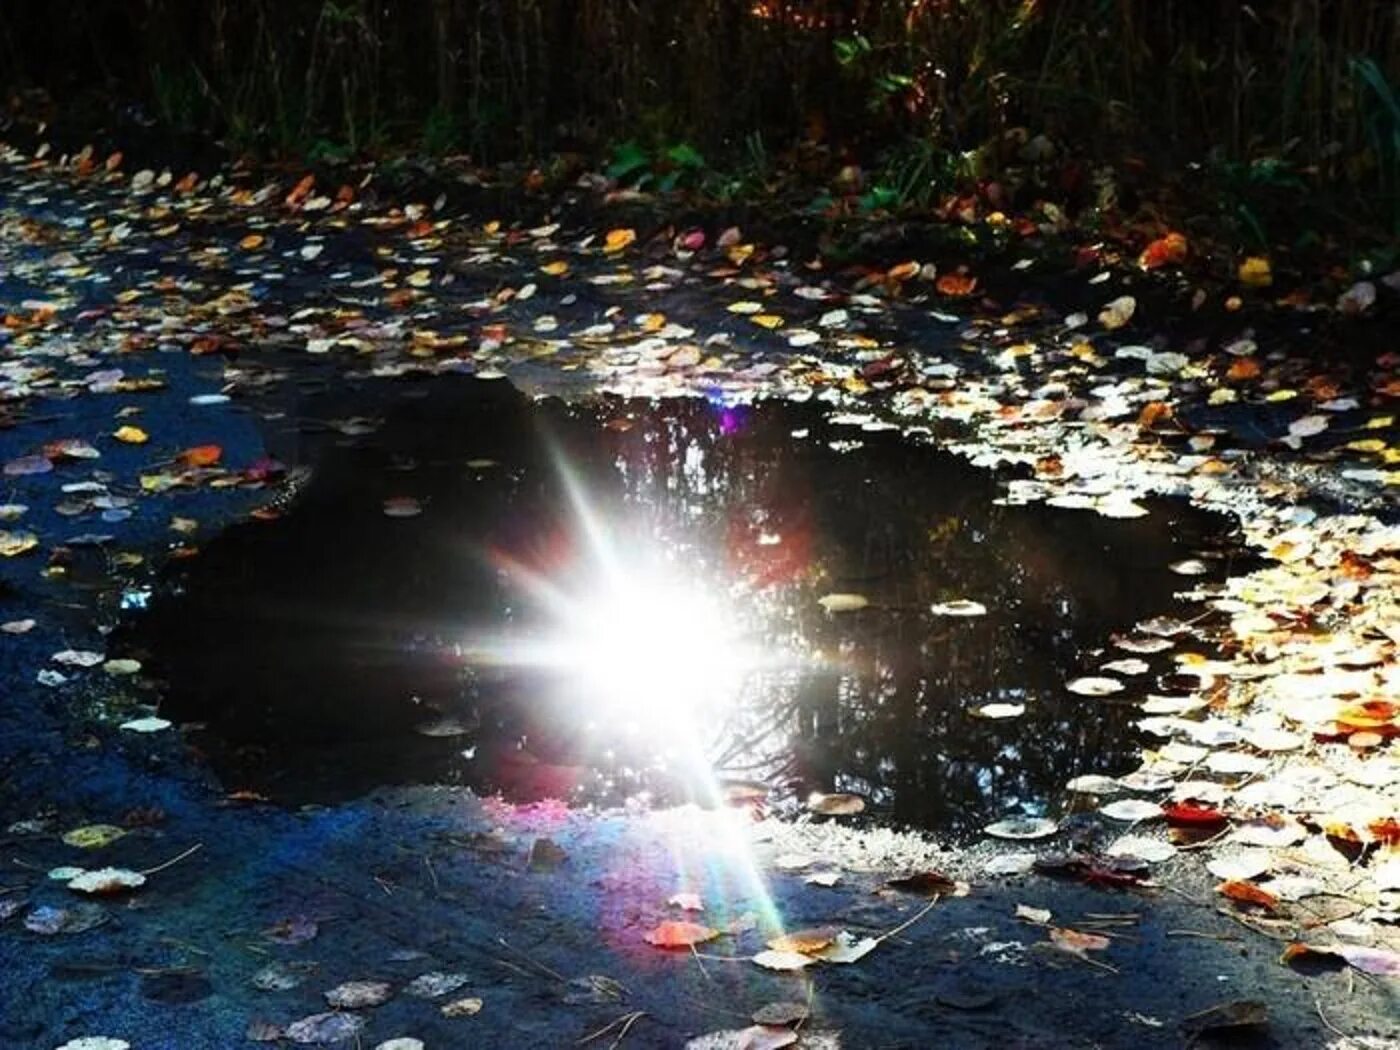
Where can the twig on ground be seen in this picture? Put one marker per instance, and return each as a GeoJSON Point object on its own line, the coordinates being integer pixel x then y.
{"type": "Point", "coordinates": [626, 1021]}
{"type": "Point", "coordinates": [175, 860]}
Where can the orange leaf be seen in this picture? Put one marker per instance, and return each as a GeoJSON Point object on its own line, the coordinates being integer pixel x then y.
{"type": "Point", "coordinates": [903, 271]}
{"type": "Point", "coordinates": [1152, 413]}
{"type": "Point", "coordinates": [618, 239]}
{"type": "Point", "coordinates": [1164, 251]}
{"type": "Point", "coordinates": [1247, 893]}
{"type": "Point", "coordinates": [200, 456]}
{"type": "Point", "coordinates": [251, 242]}
{"type": "Point", "coordinates": [805, 941]}
{"type": "Point", "coordinates": [301, 190]}
{"type": "Point", "coordinates": [956, 285]}
{"type": "Point", "coordinates": [680, 934]}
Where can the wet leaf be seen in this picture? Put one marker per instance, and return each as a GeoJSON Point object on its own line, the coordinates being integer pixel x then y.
{"type": "Point", "coordinates": [93, 836]}
{"type": "Point", "coordinates": [1094, 685]}
{"type": "Point", "coordinates": [808, 941]}
{"type": "Point", "coordinates": [433, 984]}
{"type": "Point", "coordinates": [13, 544]}
{"type": "Point", "coordinates": [357, 995]}
{"type": "Point", "coordinates": [467, 1007]}
{"type": "Point", "coordinates": [131, 435]}
{"type": "Point", "coordinates": [836, 805]}
{"type": "Point", "coordinates": [1118, 313]}
{"type": "Point", "coordinates": [680, 934]}
{"type": "Point", "coordinates": [842, 603]}
{"type": "Point", "coordinates": [295, 930]}
{"type": "Point", "coordinates": [325, 1028]}
{"type": "Point", "coordinates": [1132, 809]}
{"type": "Point", "coordinates": [959, 607]}
{"type": "Point", "coordinates": [618, 239]}
{"type": "Point", "coordinates": [95, 1042]}
{"type": "Point", "coordinates": [106, 882]}
{"type": "Point", "coordinates": [1022, 828]}
{"type": "Point", "coordinates": [1075, 942]}
{"type": "Point", "coordinates": [1255, 272]}
{"type": "Point", "coordinates": [200, 456]}
{"type": "Point", "coordinates": [783, 960]}
{"type": "Point", "coordinates": [1243, 892]}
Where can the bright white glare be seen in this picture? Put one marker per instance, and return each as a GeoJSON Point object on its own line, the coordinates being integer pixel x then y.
{"type": "Point", "coordinates": [645, 651]}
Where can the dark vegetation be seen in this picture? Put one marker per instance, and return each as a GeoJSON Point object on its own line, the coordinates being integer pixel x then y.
{"type": "Point", "coordinates": [1266, 104]}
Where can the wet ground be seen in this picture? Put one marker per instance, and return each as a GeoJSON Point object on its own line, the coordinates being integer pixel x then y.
{"type": "Point", "coordinates": [307, 429]}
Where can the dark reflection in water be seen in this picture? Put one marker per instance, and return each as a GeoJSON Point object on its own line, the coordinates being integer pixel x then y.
{"type": "Point", "coordinates": [319, 647]}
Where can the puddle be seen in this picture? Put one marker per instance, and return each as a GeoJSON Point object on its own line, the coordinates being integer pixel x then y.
{"type": "Point", "coordinates": [339, 647]}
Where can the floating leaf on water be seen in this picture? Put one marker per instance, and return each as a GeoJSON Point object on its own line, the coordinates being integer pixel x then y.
{"type": "Point", "coordinates": [356, 995]}
{"type": "Point", "coordinates": [131, 435]}
{"type": "Point", "coordinates": [808, 941]}
{"type": "Point", "coordinates": [149, 724]}
{"type": "Point", "coordinates": [433, 984]}
{"type": "Point", "coordinates": [95, 1042]}
{"type": "Point", "coordinates": [18, 626]}
{"type": "Point", "coordinates": [1022, 828]}
{"type": "Point", "coordinates": [276, 977]}
{"type": "Point", "coordinates": [401, 1043]}
{"type": "Point", "coordinates": [823, 878]}
{"type": "Point", "coordinates": [93, 836]}
{"type": "Point", "coordinates": [297, 929]}
{"type": "Point", "coordinates": [783, 961]}
{"type": "Point", "coordinates": [1094, 685]}
{"type": "Point", "coordinates": [25, 465]}
{"type": "Point", "coordinates": [402, 507]}
{"type": "Point", "coordinates": [325, 1028]}
{"type": "Point", "coordinates": [1272, 830]}
{"type": "Point", "coordinates": [1118, 312]}
{"type": "Point", "coordinates": [847, 949]}
{"type": "Point", "coordinates": [618, 239]}
{"type": "Point", "coordinates": [1131, 809]}
{"type": "Point", "coordinates": [13, 544]}
{"type": "Point", "coordinates": [958, 607]}
{"type": "Point", "coordinates": [107, 882]}
{"type": "Point", "coordinates": [1143, 646]}
{"type": "Point", "coordinates": [467, 1007]}
{"type": "Point", "coordinates": [1094, 784]}
{"type": "Point", "coordinates": [1194, 814]}
{"type": "Point", "coordinates": [841, 603]}
{"type": "Point", "coordinates": [1076, 942]}
{"type": "Point", "coordinates": [686, 901]}
{"type": "Point", "coordinates": [1130, 666]}
{"type": "Point", "coordinates": [997, 712]}
{"type": "Point", "coordinates": [836, 805]}
{"type": "Point", "coordinates": [780, 1013]}
{"type": "Point", "coordinates": [122, 667]}
{"type": "Point", "coordinates": [680, 934]}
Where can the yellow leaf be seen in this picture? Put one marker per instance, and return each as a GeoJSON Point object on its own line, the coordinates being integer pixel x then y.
{"type": "Point", "coordinates": [618, 239]}
{"type": "Point", "coordinates": [13, 543]}
{"type": "Point", "coordinates": [131, 435]}
{"type": "Point", "coordinates": [420, 278]}
{"type": "Point", "coordinates": [1255, 272]}
{"type": "Point", "coordinates": [251, 242]}
{"type": "Point", "coordinates": [557, 268]}
{"type": "Point", "coordinates": [769, 321]}
{"type": "Point", "coordinates": [1367, 445]}
{"type": "Point", "coordinates": [93, 836]}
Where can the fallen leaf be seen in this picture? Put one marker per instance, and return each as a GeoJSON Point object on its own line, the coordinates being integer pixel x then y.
{"type": "Point", "coordinates": [468, 1007]}
{"type": "Point", "coordinates": [356, 995]}
{"type": "Point", "coordinates": [837, 805]}
{"type": "Point", "coordinates": [93, 836]}
{"type": "Point", "coordinates": [618, 239]}
{"type": "Point", "coordinates": [131, 435]}
{"type": "Point", "coordinates": [325, 1028]}
{"type": "Point", "coordinates": [1245, 892]}
{"type": "Point", "coordinates": [841, 603]}
{"type": "Point", "coordinates": [1022, 828]}
{"type": "Point", "coordinates": [106, 882]}
{"type": "Point", "coordinates": [1255, 272]}
{"type": "Point", "coordinates": [680, 934]}
{"type": "Point", "coordinates": [783, 960]}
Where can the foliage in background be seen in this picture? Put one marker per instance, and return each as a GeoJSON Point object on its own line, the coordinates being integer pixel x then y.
{"type": "Point", "coordinates": [937, 88]}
